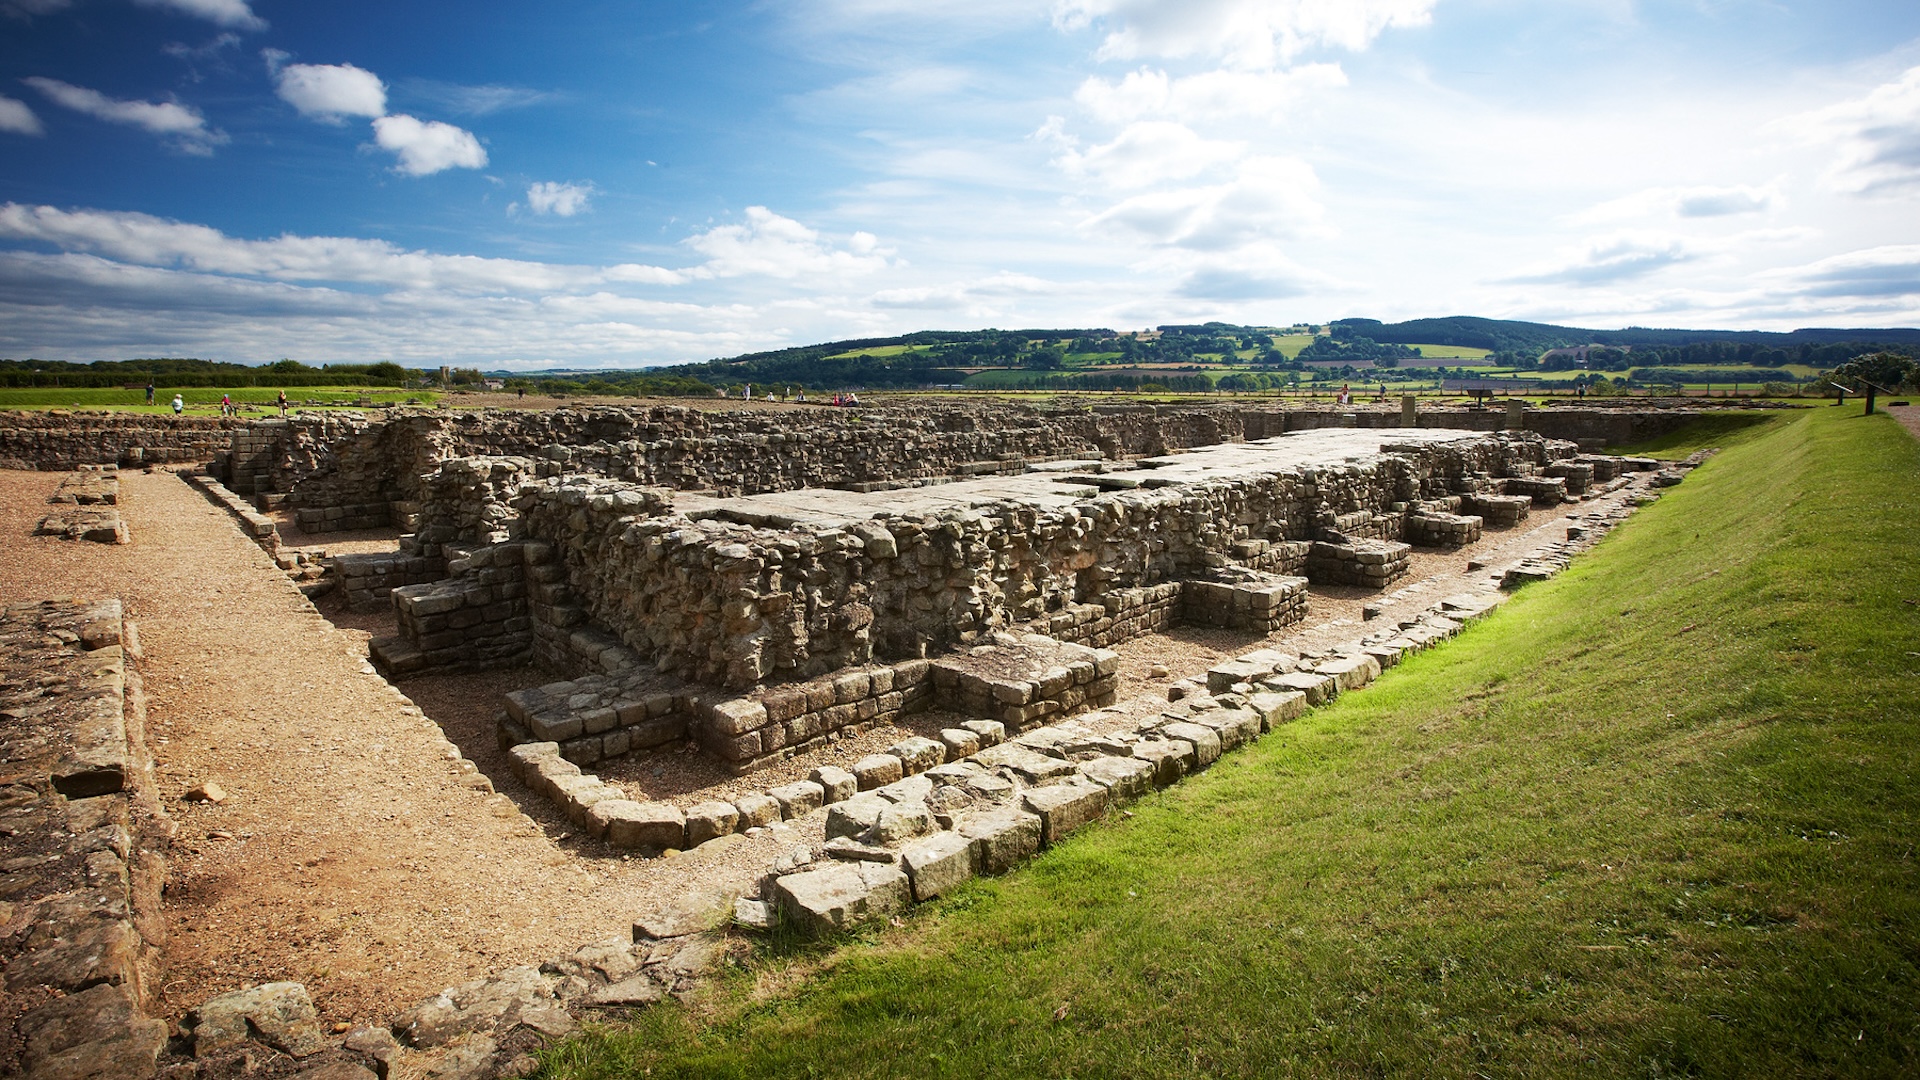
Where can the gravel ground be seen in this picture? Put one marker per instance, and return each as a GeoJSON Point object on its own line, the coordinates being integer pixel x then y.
{"type": "Point", "coordinates": [353, 855]}
{"type": "Point", "coordinates": [1909, 417]}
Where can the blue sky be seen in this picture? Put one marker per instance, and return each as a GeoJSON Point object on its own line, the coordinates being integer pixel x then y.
{"type": "Point", "coordinates": [636, 182]}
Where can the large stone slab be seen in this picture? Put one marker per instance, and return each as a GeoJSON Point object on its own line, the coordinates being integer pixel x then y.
{"type": "Point", "coordinates": [1002, 835]}
{"type": "Point", "coordinates": [939, 863]}
{"type": "Point", "coordinates": [1065, 807]}
{"type": "Point", "coordinates": [841, 895]}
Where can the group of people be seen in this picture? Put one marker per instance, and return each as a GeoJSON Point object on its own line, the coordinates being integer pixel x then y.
{"type": "Point", "coordinates": [228, 406]}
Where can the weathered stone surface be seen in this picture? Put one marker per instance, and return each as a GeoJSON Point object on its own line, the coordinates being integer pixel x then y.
{"type": "Point", "coordinates": [990, 732]}
{"type": "Point", "coordinates": [690, 913]}
{"type": "Point", "coordinates": [1002, 835]}
{"type": "Point", "coordinates": [1350, 672]}
{"type": "Point", "coordinates": [708, 820]}
{"type": "Point", "coordinates": [917, 754]}
{"type": "Point", "coordinates": [1319, 689]}
{"type": "Point", "coordinates": [798, 799]}
{"type": "Point", "coordinates": [279, 1014]}
{"type": "Point", "coordinates": [515, 997]}
{"type": "Point", "coordinates": [835, 897]}
{"type": "Point", "coordinates": [1206, 742]}
{"type": "Point", "coordinates": [756, 811]}
{"type": "Point", "coordinates": [901, 822]}
{"type": "Point", "coordinates": [856, 815]}
{"type": "Point", "coordinates": [836, 784]}
{"type": "Point", "coordinates": [939, 863]}
{"type": "Point", "coordinates": [642, 826]}
{"type": "Point", "coordinates": [875, 770]}
{"type": "Point", "coordinates": [96, 1034]}
{"type": "Point", "coordinates": [1125, 778]}
{"type": "Point", "coordinates": [1031, 766]}
{"type": "Point", "coordinates": [1277, 707]}
{"type": "Point", "coordinates": [336, 1070]}
{"type": "Point", "coordinates": [1168, 758]}
{"type": "Point", "coordinates": [1064, 807]}
{"type": "Point", "coordinates": [959, 742]}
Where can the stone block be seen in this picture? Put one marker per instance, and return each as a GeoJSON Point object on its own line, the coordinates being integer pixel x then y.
{"type": "Point", "coordinates": [876, 770]}
{"type": "Point", "coordinates": [1065, 807]}
{"type": "Point", "coordinates": [938, 864]}
{"type": "Point", "coordinates": [991, 732]}
{"type": "Point", "coordinates": [854, 816]}
{"type": "Point", "coordinates": [756, 810]}
{"type": "Point", "coordinates": [1206, 742]}
{"type": "Point", "coordinates": [1319, 689]}
{"type": "Point", "coordinates": [918, 754]}
{"type": "Point", "coordinates": [1350, 672]}
{"type": "Point", "coordinates": [836, 784]}
{"type": "Point", "coordinates": [1002, 836]}
{"type": "Point", "coordinates": [1034, 768]}
{"type": "Point", "coordinates": [959, 742]}
{"type": "Point", "coordinates": [708, 820]}
{"type": "Point", "coordinates": [643, 826]}
{"type": "Point", "coordinates": [1167, 758]}
{"type": "Point", "coordinates": [737, 717]}
{"type": "Point", "coordinates": [1125, 778]}
{"type": "Point", "coordinates": [97, 1032]}
{"type": "Point", "coordinates": [798, 799]}
{"type": "Point", "coordinates": [836, 897]}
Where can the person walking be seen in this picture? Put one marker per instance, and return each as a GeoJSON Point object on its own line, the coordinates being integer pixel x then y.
{"type": "Point", "coordinates": [149, 391]}
{"type": "Point", "coordinates": [283, 403]}
{"type": "Point", "coordinates": [179, 405]}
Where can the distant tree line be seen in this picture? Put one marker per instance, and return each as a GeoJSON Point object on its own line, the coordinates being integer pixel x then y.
{"type": "Point", "coordinates": [176, 373]}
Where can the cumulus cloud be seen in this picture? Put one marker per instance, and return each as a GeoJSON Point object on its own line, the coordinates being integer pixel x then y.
{"type": "Point", "coordinates": [979, 297]}
{"type": "Point", "coordinates": [329, 93]}
{"type": "Point", "coordinates": [1247, 34]}
{"type": "Point", "coordinates": [560, 200]}
{"type": "Point", "coordinates": [1611, 259]}
{"type": "Point", "coordinates": [1874, 273]}
{"type": "Point", "coordinates": [1878, 135]}
{"type": "Point", "coordinates": [17, 119]}
{"type": "Point", "coordinates": [151, 241]}
{"type": "Point", "coordinates": [770, 245]}
{"type": "Point", "coordinates": [1147, 152]}
{"type": "Point", "coordinates": [231, 13]}
{"type": "Point", "coordinates": [182, 124]}
{"type": "Point", "coordinates": [1210, 94]}
{"type": "Point", "coordinates": [425, 147]}
{"type": "Point", "coordinates": [1266, 200]}
{"type": "Point", "coordinates": [1686, 202]}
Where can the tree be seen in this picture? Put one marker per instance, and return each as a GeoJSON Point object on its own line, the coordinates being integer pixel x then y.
{"type": "Point", "coordinates": [1890, 370]}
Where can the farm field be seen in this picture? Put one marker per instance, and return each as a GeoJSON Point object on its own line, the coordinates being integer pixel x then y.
{"type": "Point", "coordinates": [199, 398]}
{"type": "Point", "coordinates": [1653, 817]}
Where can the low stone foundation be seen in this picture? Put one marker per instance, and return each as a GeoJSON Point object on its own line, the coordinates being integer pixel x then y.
{"type": "Point", "coordinates": [1370, 564]}
{"type": "Point", "coordinates": [86, 507]}
{"type": "Point", "coordinates": [86, 843]}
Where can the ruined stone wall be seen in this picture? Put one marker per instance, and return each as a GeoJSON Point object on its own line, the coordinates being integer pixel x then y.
{"type": "Point", "coordinates": [738, 605]}
{"type": "Point", "coordinates": [57, 439]}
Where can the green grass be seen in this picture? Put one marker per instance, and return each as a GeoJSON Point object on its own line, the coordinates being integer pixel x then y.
{"type": "Point", "coordinates": [1721, 430]}
{"type": "Point", "coordinates": [1463, 352]}
{"type": "Point", "coordinates": [202, 397]}
{"type": "Point", "coordinates": [1655, 817]}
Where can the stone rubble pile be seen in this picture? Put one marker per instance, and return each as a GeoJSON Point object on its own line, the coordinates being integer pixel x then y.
{"type": "Point", "coordinates": [86, 507]}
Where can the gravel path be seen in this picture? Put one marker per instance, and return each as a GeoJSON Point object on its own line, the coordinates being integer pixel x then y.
{"type": "Point", "coordinates": [351, 854]}
{"type": "Point", "coordinates": [1909, 417]}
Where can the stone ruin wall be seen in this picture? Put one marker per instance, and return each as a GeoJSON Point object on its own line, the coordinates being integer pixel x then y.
{"type": "Point", "coordinates": [367, 473]}
{"type": "Point", "coordinates": [738, 605]}
{"type": "Point", "coordinates": [57, 440]}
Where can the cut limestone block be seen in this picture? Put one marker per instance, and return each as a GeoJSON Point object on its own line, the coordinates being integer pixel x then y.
{"type": "Point", "coordinates": [1002, 835]}
{"type": "Point", "coordinates": [876, 770]}
{"type": "Point", "coordinates": [840, 895]}
{"type": "Point", "coordinates": [939, 864]}
{"type": "Point", "coordinates": [1065, 807]}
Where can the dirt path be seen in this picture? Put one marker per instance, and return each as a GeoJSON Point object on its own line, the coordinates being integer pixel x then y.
{"type": "Point", "coordinates": [1909, 417]}
{"type": "Point", "coordinates": [352, 854]}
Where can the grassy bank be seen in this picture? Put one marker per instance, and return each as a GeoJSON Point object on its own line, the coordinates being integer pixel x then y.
{"type": "Point", "coordinates": [1655, 817]}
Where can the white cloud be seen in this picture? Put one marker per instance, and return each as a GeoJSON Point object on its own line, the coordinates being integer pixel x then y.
{"type": "Point", "coordinates": [17, 119]}
{"type": "Point", "coordinates": [181, 123]}
{"type": "Point", "coordinates": [234, 13]}
{"type": "Point", "coordinates": [1879, 138]}
{"type": "Point", "coordinates": [1208, 95]}
{"type": "Point", "coordinates": [152, 241]}
{"type": "Point", "coordinates": [426, 147]}
{"type": "Point", "coordinates": [1147, 152]}
{"type": "Point", "coordinates": [482, 100]}
{"type": "Point", "coordinates": [1685, 202]}
{"type": "Point", "coordinates": [773, 246]}
{"type": "Point", "coordinates": [1247, 34]}
{"type": "Point", "coordinates": [1610, 259]}
{"type": "Point", "coordinates": [329, 93]}
{"type": "Point", "coordinates": [561, 200]}
{"type": "Point", "coordinates": [1875, 273]}
{"type": "Point", "coordinates": [979, 298]}
{"type": "Point", "coordinates": [1268, 199]}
